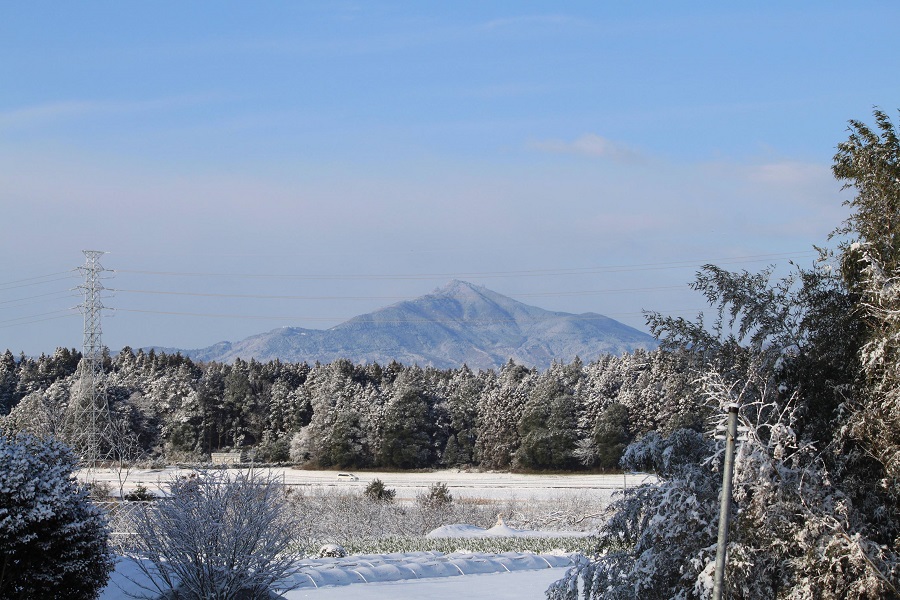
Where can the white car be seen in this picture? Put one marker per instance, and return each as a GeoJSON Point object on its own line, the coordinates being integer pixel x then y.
{"type": "Point", "coordinates": [347, 476]}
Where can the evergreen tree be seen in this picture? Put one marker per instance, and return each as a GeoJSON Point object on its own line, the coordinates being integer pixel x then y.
{"type": "Point", "coordinates": [499, 410]}
{"type": "Point", "coordinates": [611, 436]}
{"type": "Point", "coordinates": [53, 540]}
{"type": "Point", "coordinates": [344, 446]}
{"type": "Point", "coordinates": [547, 426]}
{"type": "Point", "coordinates": [238, 402]}
{"type": "Point", "coordinates": [464, 389]}
{"type": "Point", "coordinates": [41, 413]}
{"type": "Point", "coordinates": [407, 427]}
{"type": "Point", "coordinates": [8, 382]}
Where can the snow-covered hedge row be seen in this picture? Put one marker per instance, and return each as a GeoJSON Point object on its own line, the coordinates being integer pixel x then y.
{"type": "Point", "coordinates": [449, 545]}
{"type": "Point", "coordinates": [352, 520]}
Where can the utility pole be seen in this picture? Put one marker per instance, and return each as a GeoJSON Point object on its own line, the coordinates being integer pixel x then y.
{"type": "Point", "coordinates": [90, 425]}
{"type": "Point", "coordinates": [725, 506]}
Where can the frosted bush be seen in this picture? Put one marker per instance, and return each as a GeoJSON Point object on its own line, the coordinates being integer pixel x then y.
{"type": "Point", "coordinates": [217, 536]}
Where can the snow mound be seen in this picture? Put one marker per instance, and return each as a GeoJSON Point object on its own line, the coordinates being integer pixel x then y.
{"type": "Point", "coordinates": [501, 529]}
{"type": "Point", "coordinates": [458, 531]}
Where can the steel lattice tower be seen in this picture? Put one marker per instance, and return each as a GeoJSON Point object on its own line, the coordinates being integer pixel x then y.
{"type": "Point", "coordinates": [90, 426]}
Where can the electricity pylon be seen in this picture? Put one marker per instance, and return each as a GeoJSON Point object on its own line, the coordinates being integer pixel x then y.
{"type": "Point", "coordinates": [90, 426]}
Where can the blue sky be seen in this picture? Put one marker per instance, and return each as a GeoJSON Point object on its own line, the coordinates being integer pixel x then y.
{"type": "Point", "coordinates": [348, 155]}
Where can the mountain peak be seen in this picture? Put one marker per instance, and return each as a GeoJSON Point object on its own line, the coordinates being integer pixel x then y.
{"type": "Point", "coordinates": [457, 323]}
{"type": "Point", "coordinates": [457, 286]}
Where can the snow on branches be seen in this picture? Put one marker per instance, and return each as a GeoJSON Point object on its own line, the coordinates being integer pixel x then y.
{"type": "Point", "coordinates": [52, 538]}
{"type": "Point", "coordinates": [217, 536]}
{"type": "Point", "coordinates": [794, 534]}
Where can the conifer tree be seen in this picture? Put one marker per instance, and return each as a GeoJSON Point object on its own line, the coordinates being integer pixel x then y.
{"type": "Point", "coordinates": [547, 426]}
{"type": "Point", "coordinates": [53, 540]}
{"type": "Point", "coordinates": [406, 434]}
{"type": "Point", "coordinates": [8, 382]}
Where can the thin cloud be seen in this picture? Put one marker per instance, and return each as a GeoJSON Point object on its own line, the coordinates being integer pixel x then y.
{"type": "Point", "coordinates": [530, 20]}
{"type": "Point", "coordinates": [32, 115]}
{"type": "Point", "coordinates": [505, 90]}
{"type": "Point", "coordinates": [590, 144]}
{"type": "Point", "coordinates": [40, 114]}
{"type": "Point", "coordinates": [787, 174]}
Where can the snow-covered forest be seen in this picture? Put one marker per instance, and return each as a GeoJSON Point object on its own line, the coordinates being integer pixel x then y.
{"type": "Point", "coordinates": [343, 415]}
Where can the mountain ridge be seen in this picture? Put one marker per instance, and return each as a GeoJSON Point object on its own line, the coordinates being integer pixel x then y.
{"type": "Point", "coordinates": [459, 323]}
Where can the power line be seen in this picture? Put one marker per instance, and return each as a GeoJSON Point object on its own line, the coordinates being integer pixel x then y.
{"type": "Point", "coordinates": [70, 271]}
{"type": "Point", "coordinates": [12, 287]}
{"type": "Point", "coordinates": [31, 281]}
{"type": "Point", "coordinates": [392, 321]}
{"type": "Point", "coordinates": [68, 293]}
{"type": "Point", "coordinates": [488, 274]}
{"type": "Point", "coordinates": [40, 320]}
{"type": "Point", "coordinates": [31, 300]}
{"type": "Point", "coordinates": [53, 312]}
{"type": "Point", "coordinates": [281, 297]}
{"type": "Point", "coordinates": [256, 296]}
{"type": "Point", "coordinates": [228, 316]}
{"type": "Point", "coordinates": [590, 292]}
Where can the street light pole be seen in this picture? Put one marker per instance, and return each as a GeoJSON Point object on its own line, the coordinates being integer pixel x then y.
{"type": "Point", "coordinates": [725, 505]}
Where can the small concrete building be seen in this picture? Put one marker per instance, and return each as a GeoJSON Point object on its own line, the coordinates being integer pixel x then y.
{"type": "Point", "coordinates": [228, 458]}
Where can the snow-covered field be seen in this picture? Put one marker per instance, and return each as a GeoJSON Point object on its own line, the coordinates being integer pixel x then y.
{"type": "Point", "coordinates": [462, 484]}
{"type": "Point", "coordinates": [400, 576]}
{"type": "Point", "coordinates": [410, 575]}
{"type": "Point", "coordinates": [520, 585]}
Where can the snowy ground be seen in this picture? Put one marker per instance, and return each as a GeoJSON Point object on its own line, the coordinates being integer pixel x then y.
{"type": "Point", "coordinates": [420, 574]}
{"type": "Point", "coordinates": [401, 576]}
{"type": "Point", "coordinates": [488, 486]}
{"type": "Point", "coordinates": [520, 585]}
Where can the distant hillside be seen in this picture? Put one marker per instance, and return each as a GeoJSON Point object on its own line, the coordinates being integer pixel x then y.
{"type": "Point", "coordinates": [458, 323]}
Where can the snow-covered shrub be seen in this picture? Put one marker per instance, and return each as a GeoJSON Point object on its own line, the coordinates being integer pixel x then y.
{"type": "Point", "coordinates": [434, 506]}
{"type": "Point", "coordinates": [332, 551]}
{"type": "Point", "coordinates": [659, 536]}
{"type": "Point", "coordinates": [378, 492]}
{"type": "Point", "coordinates": [217, 536]}
{"type": "Point", "coordinates": [52, 538]}
{"type": "Point", "coordinates": [139, 494]}
{"type": "Point", "coordinates": [100, 491]}
{"type": "Point", "coordinates": [437, 496]}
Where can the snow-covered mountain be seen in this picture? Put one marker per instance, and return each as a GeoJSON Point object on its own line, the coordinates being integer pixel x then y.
{"type": "Point", "coordinates": [458, 323]}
